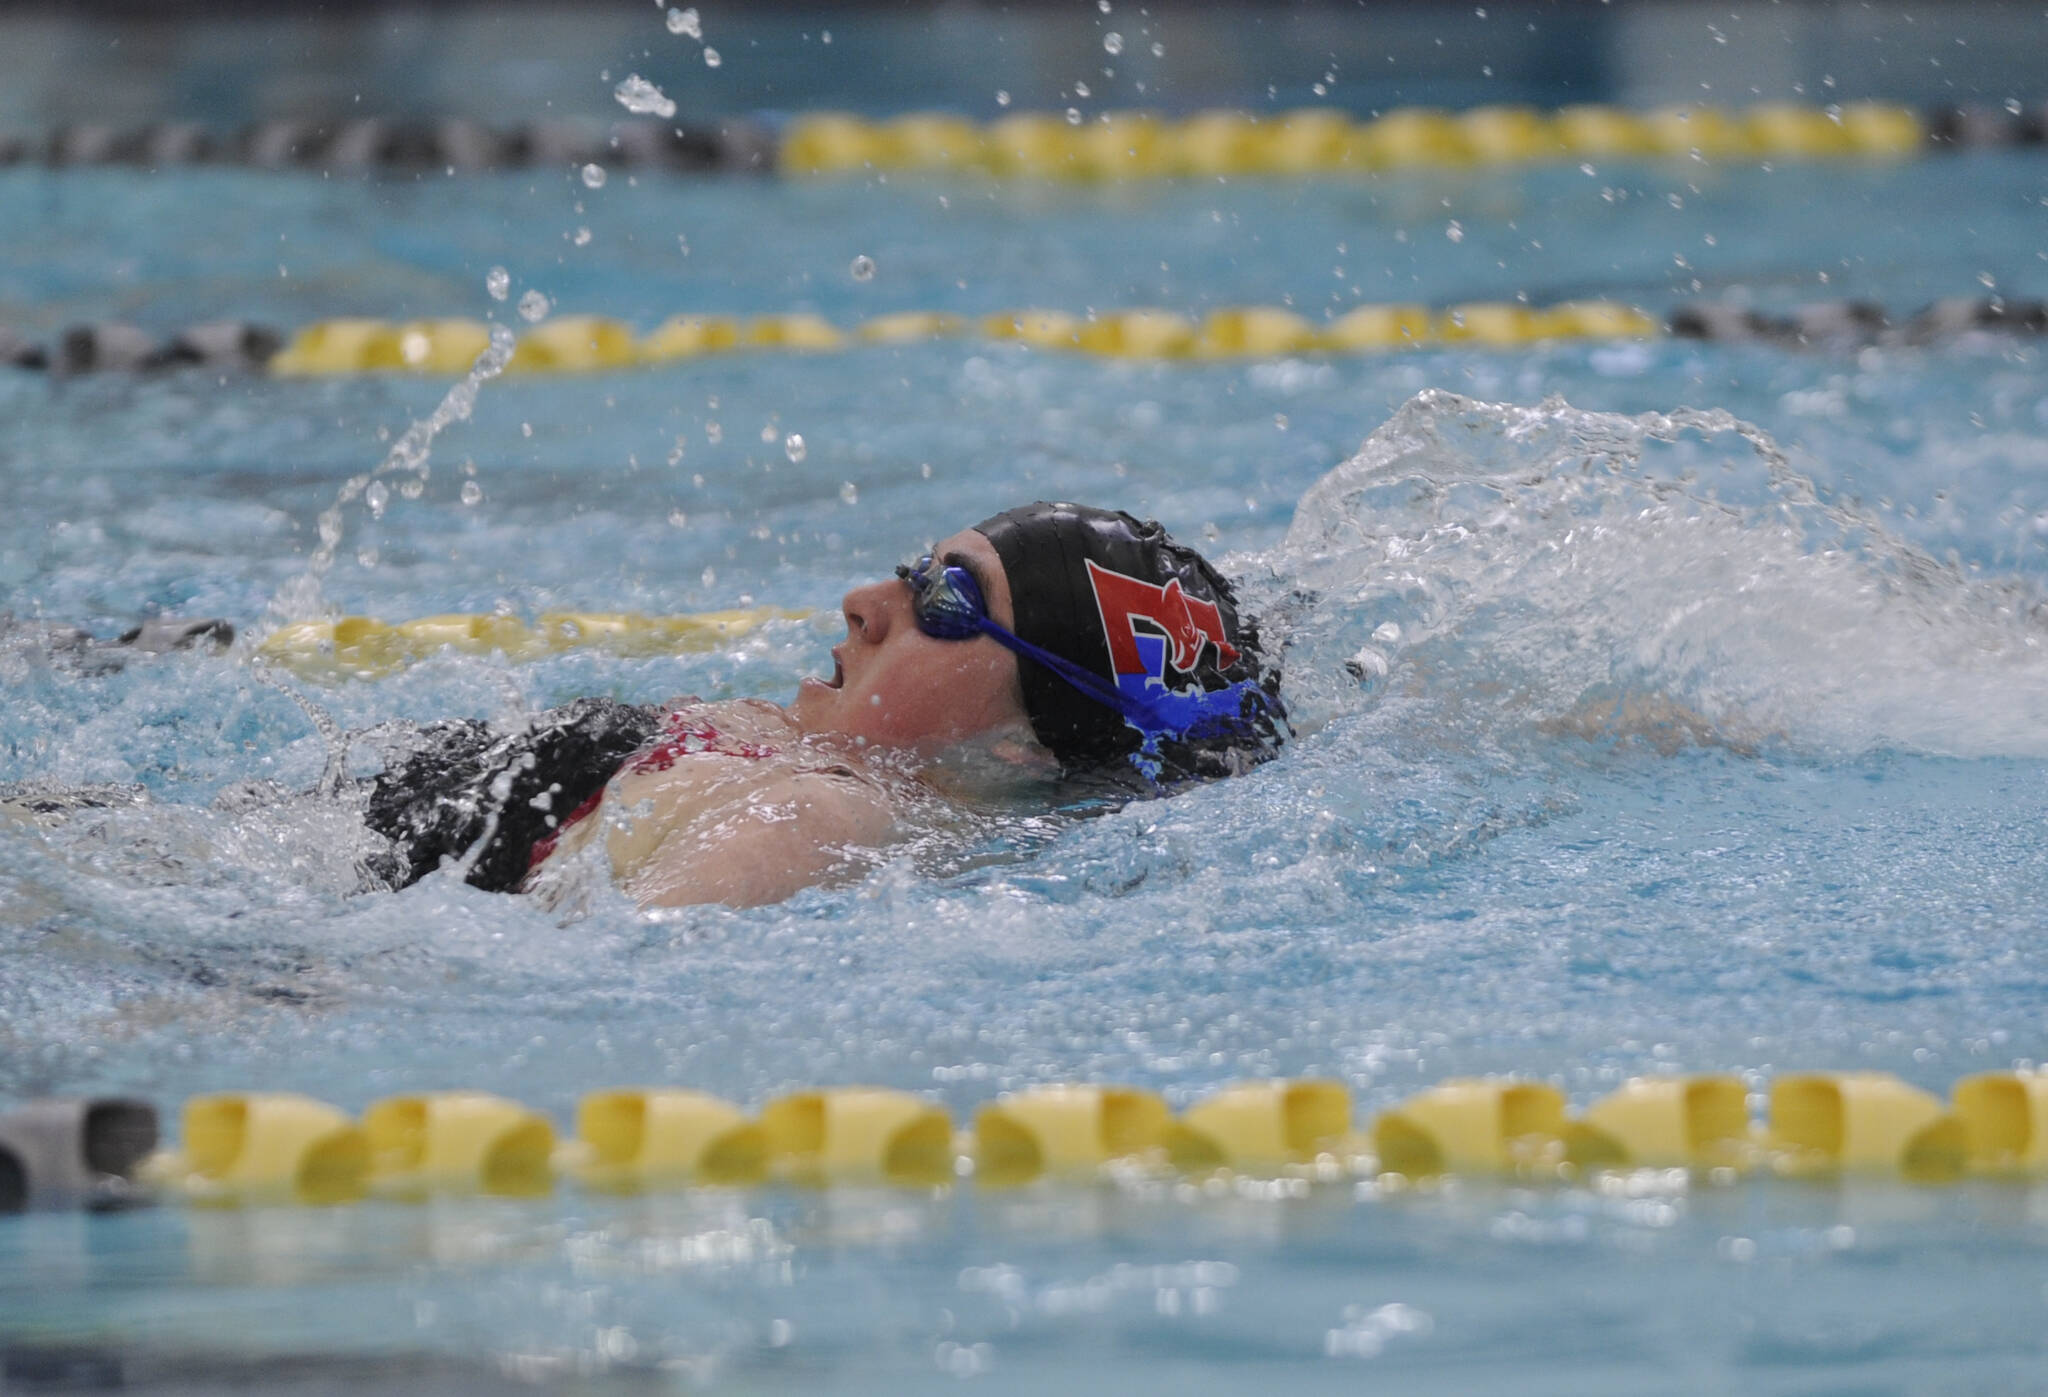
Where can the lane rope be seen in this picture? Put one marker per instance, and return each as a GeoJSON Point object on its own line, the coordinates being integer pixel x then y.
{"type": "Point", "coordinates": [1317, 141]}
{"type": "Point", "coordinates": [281, 1148]}
{"type": "Point", "coordinates": [592, 344]}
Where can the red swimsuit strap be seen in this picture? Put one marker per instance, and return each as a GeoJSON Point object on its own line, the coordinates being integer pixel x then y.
{"type": "Point", "coordinates": [685, 736]}
{"type": "Point", "coordinates": [682, 736]}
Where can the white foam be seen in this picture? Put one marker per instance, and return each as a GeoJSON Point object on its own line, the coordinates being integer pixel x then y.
{"type": "Point", "coordinates": [1536, 558]}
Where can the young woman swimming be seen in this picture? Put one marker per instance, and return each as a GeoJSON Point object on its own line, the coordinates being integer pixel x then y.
{"type": "Point", "coordinates": [1081, 643]}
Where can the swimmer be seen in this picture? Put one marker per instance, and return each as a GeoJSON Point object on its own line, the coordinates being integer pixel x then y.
{"type": "Point", "coordinates": [1053, 640]}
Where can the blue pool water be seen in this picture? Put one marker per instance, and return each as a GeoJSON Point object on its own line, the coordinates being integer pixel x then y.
{"type": "Point", "coordinates": [1452, 871]}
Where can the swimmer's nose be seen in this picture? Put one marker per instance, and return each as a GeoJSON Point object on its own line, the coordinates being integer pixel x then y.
{"type": "Point", "coordinates": [872, 610]}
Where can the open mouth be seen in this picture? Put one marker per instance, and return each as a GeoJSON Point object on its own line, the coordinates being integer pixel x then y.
{"type": "Point", "coordinates": [838, 679]}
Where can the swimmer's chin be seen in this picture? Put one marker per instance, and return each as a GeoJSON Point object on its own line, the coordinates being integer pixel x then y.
{"type": "Point", "coordinates": [812, 706]}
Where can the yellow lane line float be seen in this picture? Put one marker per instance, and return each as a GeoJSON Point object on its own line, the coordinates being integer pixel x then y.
{"type": "Point", "coordinates": [360, 647]}
{"type": "Point", "coordinates": [592, 344]}
{"type": "Point", "coordinates": [1322, 141]}
{"type": "Point", "coordinates": [271, 1148]}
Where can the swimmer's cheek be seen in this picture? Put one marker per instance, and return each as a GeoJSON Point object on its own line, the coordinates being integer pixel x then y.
{"type": "Point", "coordinates": [790, 836]}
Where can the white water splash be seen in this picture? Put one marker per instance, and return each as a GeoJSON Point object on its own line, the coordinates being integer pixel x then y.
{"type": "Point", "coordinates": [1538, 559]}
{"type": "Point", "coordinates": [301, 597]}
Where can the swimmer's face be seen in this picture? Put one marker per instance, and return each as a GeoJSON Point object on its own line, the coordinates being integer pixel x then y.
{"type": "Point", "coordinates": [895, 686]}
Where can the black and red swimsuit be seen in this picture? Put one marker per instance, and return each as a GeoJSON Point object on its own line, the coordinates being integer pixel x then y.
{"type": "Point", "coordinates": [683, 734]}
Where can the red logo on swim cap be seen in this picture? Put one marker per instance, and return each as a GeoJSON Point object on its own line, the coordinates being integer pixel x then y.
{"type": "Point", "coordinates": [1188, 622]}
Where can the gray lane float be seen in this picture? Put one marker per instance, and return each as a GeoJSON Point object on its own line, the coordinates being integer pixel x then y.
{"type": "Point", "coordinates": [76, 651]}
{"type": "Point", "coordinates": [70, 1153]}
{"type": "Point", "coordinates": [1837, 324]}
{"type": "Point", "coordinates": [371, 145]}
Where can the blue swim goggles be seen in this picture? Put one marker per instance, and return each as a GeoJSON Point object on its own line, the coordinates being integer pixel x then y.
{"type": "Point", "coordinates": [948, 605]}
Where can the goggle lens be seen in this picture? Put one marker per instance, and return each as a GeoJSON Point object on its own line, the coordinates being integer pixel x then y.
{"type": "Point", "coordinates": [945, 600]}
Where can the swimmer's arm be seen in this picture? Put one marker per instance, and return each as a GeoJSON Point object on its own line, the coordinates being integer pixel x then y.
{"type": "Point", "coordinates": [1656, 718]}
{"type": "Point", "coordinates": [776, 841]}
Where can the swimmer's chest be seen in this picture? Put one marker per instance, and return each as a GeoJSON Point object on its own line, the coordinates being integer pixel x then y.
{"type": "Point", "coordinates": [644, 808]}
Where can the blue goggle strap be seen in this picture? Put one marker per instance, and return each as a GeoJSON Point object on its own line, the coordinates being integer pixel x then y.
{"type": "Point", "coordinates": [1209, 713]}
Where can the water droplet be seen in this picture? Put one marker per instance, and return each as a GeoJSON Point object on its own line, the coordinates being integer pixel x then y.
{"type": "Point", "coordinates": [677, 519]}
{"type": "Point", "coordinates": [1586, 169]}
{"type": "Point", "coordinates": [472, 493]}
{"type": "Point", "coordinates": [924, 469]}
{"type": "Point", "coordinates": [1158, 50]}
{"type": "Point", "coordinates": [1677, 201]}
{"type": "Point", "coordinates": [1081, 90]}
{"type": "Point", "coordinates": [1455, 232]}
{"type": "Point", "coordinates": [1319, 90]}
{"type": "Point", "coordinates": [1280, 421]}
{"type": "Point", "coordinates": [675, 455]}
{"type": "Point", "coordinates": [1986, 279]}
{"type": "Point", "coordinates": [794, 448]}
{"type": "Point", "coordinates": [2012, 104]}
{"type": "Point", "coordinates": [713, 433]}
{"type": "Point", "coordinates": [1112, 43]}
{"type": "Point", "coordinates": [862, 268]}
{"type": "Point", "coordinates": [582, 237]}
{"type": "Point", "coordinates": [1002, 98]}
{"type": "Point", "coordinates": [1102, 5]}
{"type": "Point", "coordinates": [412, 489]}
{"type": "Point", "coordinates": [534, 307]}
{"type": "Point", "coordinates": [376, 497]}
{"type": "Point", "coordinates": [711, 58]}
{"type": "Point", "coordinates": [710, 577]}
{"type": "Point", "coordinates": [593, 176]}
{"type": "Point", "coordinates": [498, 282]}
{"type": "Point", "coordinates": [367, 557]}
{"type": "Point", "coordinates": [848, 494]}
{"type": "Point", "coordinates": [685, 22]}
{"type": "Point", "coordinates": [526, 429]}
{"type": "Point", "coordinates": [643, 98]}
{"type": "Point", "coordinates": [1073, 116]}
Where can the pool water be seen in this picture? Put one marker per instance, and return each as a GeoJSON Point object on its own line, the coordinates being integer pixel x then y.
{"type": "Point", "coordinates": [1835, 569]}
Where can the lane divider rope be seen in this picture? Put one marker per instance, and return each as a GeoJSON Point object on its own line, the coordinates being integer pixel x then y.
{"type": "Point", "coordinates": [282, 1148]}
{"type": "Point", "coordinates": [1316, 141]}
{"type": "Point", "coordinates": [1324, 141]}
{"type": "Point", "coordinates": [591, 343]}
{"type": "Point", "coordinates": [361, 647]}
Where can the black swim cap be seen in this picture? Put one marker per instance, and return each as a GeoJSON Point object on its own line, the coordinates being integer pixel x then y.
{"type": "Point", "coordinates": [1117, 596]}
